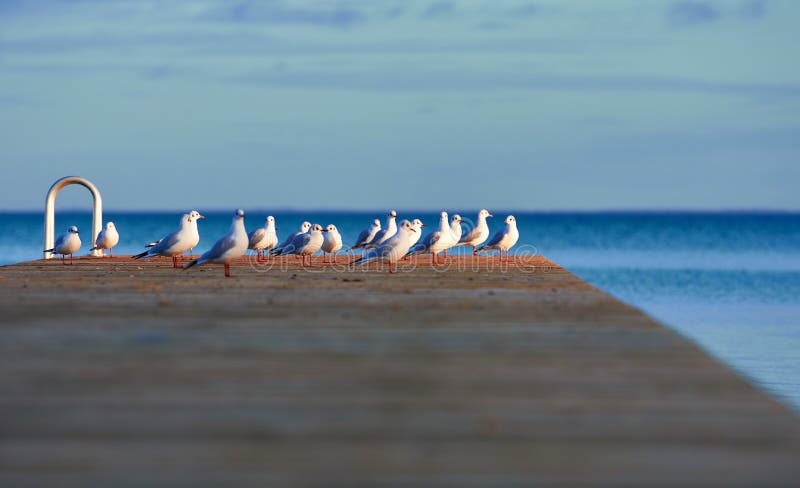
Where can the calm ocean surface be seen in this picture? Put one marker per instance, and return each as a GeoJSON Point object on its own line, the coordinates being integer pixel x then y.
{"type": "Point", "coordinates": [728, 281]}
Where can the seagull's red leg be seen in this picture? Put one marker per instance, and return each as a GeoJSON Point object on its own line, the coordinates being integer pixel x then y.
{"type": "Point", "coordinates": [227, 270]}
{"type": "Point", "coordinates": [474, 250]}
{"type": "Point", "coordinates": [391, 267]}
{"type": "Point", "coordinates": [70, 259]}
{"type": "Point", "coordinates": [174, 261]}
{"type": "Point", "coordinates": [63, 259]}
{"type": "Point", "coordinates": [110, 252]}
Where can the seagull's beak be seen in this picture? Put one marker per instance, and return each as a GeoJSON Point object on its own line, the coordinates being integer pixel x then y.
{"type": "Point", "coordinates": [413, 230]}
{"type": "Point", "coordinates": [201, 216]}
{"type": "Point", "coordinates": [324, 230]}
{"type": "Point", "coordinates": [490, 215]}
{"type": "Point", "coordinates": [424, 225]}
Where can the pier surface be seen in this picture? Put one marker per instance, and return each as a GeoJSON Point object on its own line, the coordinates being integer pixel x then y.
{"type": "Point", "coordinates": [126, 373]}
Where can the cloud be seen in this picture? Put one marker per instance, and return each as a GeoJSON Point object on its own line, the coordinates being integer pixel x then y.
{"type": "Point", "coordinates": [275, 13]}
{"type": "Point", "coordinates": [459, 80]}
{"type": "Point", "coordinates": [753, 9]}
{"type": "Point", "coordinates": [439, 10]}
{"type": "Point", "coordinates": [526, 10]}
{"type": "Point", "coordinates": [689, 13]}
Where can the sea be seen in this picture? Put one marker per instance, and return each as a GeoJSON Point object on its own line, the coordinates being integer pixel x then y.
{"type": "Point", "coordinates": [729, 281]}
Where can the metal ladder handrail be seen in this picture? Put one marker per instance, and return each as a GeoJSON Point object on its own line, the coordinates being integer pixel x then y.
{"type": "Point", "coordinates": [50, 217]}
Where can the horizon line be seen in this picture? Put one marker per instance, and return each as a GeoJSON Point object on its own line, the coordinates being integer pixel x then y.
{"type": "Point", "coordinates": [612, 210]}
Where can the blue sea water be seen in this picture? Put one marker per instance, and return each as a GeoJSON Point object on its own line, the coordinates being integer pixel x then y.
{"type": "Point", "coordinates": [728, 281]}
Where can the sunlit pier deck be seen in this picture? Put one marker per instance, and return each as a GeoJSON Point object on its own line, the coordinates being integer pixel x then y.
{"type": "Point", "coordinates": [118, 372]}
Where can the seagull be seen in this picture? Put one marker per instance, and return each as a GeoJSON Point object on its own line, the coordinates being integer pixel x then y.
{"type": "Point", "coordinates": [382, 235]}
{"type": "Point", "coordinates": [436, 241]}
{"type": "Point", "coordinates": [107, 239]}
{"type": "Point", "coordinates": [367, 235]}
{"type": "Point", "coordinates": [392, 249]}
{"type": "Point", "coordinates": [417, 225]}
{"type": "Point", "coordinates": [194, 234]}
{"type": "Point", "coordinates": [194, 216]}
{"type": "Point", "coordinates": [173, 244]}
{"type": "Point", "coordinates": [455, 231]}
{"type": "Point", "coordinates": [264, 238]}
{"type": "Point", "coordinates": [331, 241]}
{"type": "Point", "coordinates": [68, 243]}
{"type": "Point", "coordinates": [478, 235]}
{"type": "Point", "coordinates": [231, 246]}
{"type": "Point", "coordinates": [504, 239]}
{"type": "Point", "coordinates": [305, 244]}
{"type": "Point", "coordinates": [304, 227]}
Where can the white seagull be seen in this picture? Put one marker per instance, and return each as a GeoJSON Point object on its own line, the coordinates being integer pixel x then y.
{"type": "Point", "coordinates": [504, 239]}
{"type": "Point", "coordinates": [392, 249]}
{"type": "Point", "coordinates": [68, 243]}
{"type": "Point", "coordinates": [304, 227]}
{"type": "Point", "coordinates": [193, 234]}
{"type": "Point", "coordinates": [382, 235]}
{"type": "Point", "coordinates": [436, 241]}
{"type": "Point", "coordinates": [305, 244]}
{"type": "Point", "coordinates": [455, 230]}
{"type": "Point", "coordinates": [174, 243]}
{"type": "Point", "coordinates": [194, 216]}
{"type": "Point", "coordinates": [264, 238]}
{"type": "Point", "coordinates": [417, 225]}
{"type": "Point", "coordinates": [107, 239]}
{"type": "Point", "coordinates": [367, 235]}
{"type": "Point", "coordinates": [478, 235]}
{"type": "Point", "coordinates": [331, 241]}
{"type": "Point", "coordinates": [231, 246]}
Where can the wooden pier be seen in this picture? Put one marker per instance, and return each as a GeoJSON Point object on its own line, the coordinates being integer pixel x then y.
{"type": "Point", "coordinates": [130, 373]}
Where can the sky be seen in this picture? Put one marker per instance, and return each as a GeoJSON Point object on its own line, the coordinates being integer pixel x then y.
{"type": "Point", "coordinates": [529, 105]}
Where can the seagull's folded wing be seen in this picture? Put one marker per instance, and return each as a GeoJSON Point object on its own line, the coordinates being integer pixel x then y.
{"type": "Point", "coordinates": [257, 236]}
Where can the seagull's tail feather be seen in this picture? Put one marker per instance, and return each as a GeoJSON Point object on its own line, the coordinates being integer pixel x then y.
{"type": "Point", "coordinates": [151, 244]}
{"type": "Point", "coordinates": [140, 255]}
{"type": "Point", "coordinates": [364, 260]}
{"type": "Point", "coordinates": [49, 250]}
{"type": "Point", "coordinates": [285, 250]}
{"type": "Point", "coordinates": [95, 248]}
{"type": "Point", "coordinates": [194, 263]}
{"type": "Point", "coordinates": [415, 250]}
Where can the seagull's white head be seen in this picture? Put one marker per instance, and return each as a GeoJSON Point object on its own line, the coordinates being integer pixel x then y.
{"type": "Point", "coordinates": [376, 223]}
{"type": "Point", "coordinates": [417, 224]}
{"type": "Point", "coordinates": [270, 219]}
{"type": "Point", "coordinates": [305, 226]}
{"type": "Point", "coordinates": [510, 219]}
{"type": "Point", "coordinates": [331, 228]}
{"type": "Point", "coordinates": [238, 214]}
{"type": "Point", "coordinates": [457, 218]}
{"type": "Point", "coordinates": [406, 225]}
{"type": "Point", "coordinates": [316, 228]}
{"type": "Point", "coordinates": [110, 225]}
{"type": "Point", "coordinates": [392, 213]}
{"type": "Point", "coordinates": [484, 213]}
{"type": "Point", "coordinates": [194, 214]}
{"type": "Point", "coordinates": [73, 229]}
